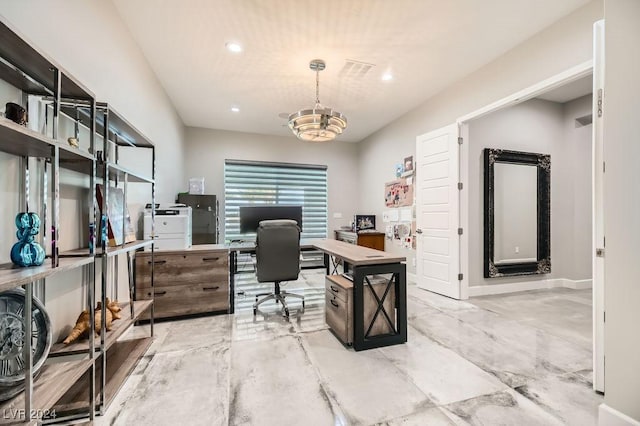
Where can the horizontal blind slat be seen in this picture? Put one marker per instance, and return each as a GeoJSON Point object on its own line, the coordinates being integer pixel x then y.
{"type": "Point", "coordinates": [267, 184]}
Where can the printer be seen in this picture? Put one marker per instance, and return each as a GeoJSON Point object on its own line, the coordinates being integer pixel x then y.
{"type": "Point", "coordinates": [172, 227]}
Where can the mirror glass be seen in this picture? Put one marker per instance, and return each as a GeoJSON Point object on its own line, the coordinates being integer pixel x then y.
{"type": "Point", "coordinates": [515, 214]}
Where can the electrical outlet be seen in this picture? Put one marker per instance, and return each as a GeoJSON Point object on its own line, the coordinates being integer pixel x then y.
{"type": "Point", "coordinates": [337, 215]}
{"type": "Point", "coordinates": [517, 249]}
{"type": "Point", "coordinates": [413, 261]}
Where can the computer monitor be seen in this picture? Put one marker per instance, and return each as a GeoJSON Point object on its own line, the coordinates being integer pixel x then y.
{"type": "Point", "coordinates": [250, 216]}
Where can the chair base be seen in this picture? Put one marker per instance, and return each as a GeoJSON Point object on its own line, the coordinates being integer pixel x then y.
{"type": "Point", "coordinates": [279, 297]}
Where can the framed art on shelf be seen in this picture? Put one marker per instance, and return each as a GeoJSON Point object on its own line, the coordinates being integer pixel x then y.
{"type": "Point", "coordinates": [117, 213]}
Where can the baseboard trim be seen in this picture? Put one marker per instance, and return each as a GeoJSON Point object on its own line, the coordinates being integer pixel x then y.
{"type": "Point", "coordinates": [486, 290]}
{"type": "Point", "coordinates": [577, 284]}
{"type": "Point", "coordinates": [608, 416]}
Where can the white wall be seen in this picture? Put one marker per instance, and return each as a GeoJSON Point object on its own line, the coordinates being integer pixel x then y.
{"type": "Point", "coordinates": [207, 149]}
{"type": "Point", "coordinates": [90, 41]}
{"type": "Point", "coordinates": [561, 46]}
{"type": "Point", "coordinates": [622, 206]}
{"type": "Point", "coordinates": [578, 141]}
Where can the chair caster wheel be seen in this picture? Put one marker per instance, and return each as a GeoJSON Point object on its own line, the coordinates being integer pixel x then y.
{"type": "Point", "coordinates": [286, 312]}
{"type": "Point", "coordinates": [303, 304]}
{"type": "Point", "coordinates": [255, 311]}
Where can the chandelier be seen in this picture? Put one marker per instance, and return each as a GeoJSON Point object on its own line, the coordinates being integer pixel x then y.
{"type": "Point", "coordinates": [318, 124]}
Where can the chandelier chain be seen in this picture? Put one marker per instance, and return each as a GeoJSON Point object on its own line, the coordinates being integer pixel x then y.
{"type": "Point", "coordinates": [317, 86]}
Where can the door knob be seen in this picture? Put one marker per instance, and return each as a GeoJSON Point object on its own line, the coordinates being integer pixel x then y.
{"type": "Point", "coordinates": [418, 231]}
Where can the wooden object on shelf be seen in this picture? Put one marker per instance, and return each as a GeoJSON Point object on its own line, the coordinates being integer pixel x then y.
{"type": "Point", "coordinates": [374, 240]}
{"type": "Point", "coordinates": [83, 324]}
{"type": "Point", "coordinates": [339, 307]}
{"type": "Point", "coordinates": [118, 329]}
{"type": "Point", "coordinates": [186, 282]}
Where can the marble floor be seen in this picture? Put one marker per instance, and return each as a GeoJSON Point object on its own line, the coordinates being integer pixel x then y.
{"type": "Point", "coordinates": [499, 360]}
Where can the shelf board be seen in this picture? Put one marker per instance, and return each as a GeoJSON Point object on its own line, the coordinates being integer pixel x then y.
{"type": "Point", "coordinates": [122, 358]}
{"type": "Point", "coordinates": [52, 383]}
{"type": "Point", "coordinates": [127, 134]}
{"type": "Point", "coordinates": [19, 140]}
{"type": "Point", "coordinates": [117, 171]}
{"type": "Point", "coordinates": [128, 247]}
{"type": "Point", "coordinates": [119, 328]}
{"type": "Point", "coordinates": [111, 251]}
{"type": "Point", "coordinates": [12, 276]}
{"type": "Point", "coordinates": [18, 52]}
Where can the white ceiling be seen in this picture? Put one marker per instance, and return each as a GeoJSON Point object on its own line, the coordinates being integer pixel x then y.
{"type": "Point", "coordinates": [425, 44]}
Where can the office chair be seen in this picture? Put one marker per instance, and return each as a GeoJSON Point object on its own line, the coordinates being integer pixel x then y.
{"type": "Point", "coordinates": [277, 259]}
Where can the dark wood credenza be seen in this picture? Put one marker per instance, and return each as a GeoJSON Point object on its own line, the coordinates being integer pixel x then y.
{"type": "Point", "coordinates": [187, 282]}
{"type": "Point", "coordinates": [374, 240]}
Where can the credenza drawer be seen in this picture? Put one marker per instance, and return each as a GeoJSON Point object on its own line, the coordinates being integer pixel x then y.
{"type": "Point", "coordinates": [341, 291]}
{"type": "Point", "coordinates": [337, 317]}
{"type": "Point", "coordinates": [193, 299]}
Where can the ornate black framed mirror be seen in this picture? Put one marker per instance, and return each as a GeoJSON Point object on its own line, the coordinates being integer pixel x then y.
{"type": "Point", "coordinates": [517, 210]}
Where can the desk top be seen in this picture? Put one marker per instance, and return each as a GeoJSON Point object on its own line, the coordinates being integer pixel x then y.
{"type": "Point", "coordinates": [355, 255]}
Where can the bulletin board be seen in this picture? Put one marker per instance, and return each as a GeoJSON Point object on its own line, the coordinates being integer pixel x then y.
{"type": "Point", "coordinates": [398, 193]}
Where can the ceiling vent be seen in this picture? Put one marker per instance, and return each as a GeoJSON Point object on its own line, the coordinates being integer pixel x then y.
{"type": "Point", "coordinates": [355, 69]}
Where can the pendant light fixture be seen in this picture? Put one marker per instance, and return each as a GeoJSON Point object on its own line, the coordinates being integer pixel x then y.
{"type": "Point", "coordinates": [318, 124]}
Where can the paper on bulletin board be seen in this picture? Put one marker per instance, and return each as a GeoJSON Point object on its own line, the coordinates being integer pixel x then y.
{"type": "Point", "coordinates": [390, 216]}
{"type": "Point", "coordinates": [398, 193]}
{"type": "Point", "coordinates": [405, 215]}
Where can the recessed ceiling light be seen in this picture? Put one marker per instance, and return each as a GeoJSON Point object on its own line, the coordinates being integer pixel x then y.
{"type": "Point", "coordinates": [387, 76]}
{"type": "Point", "coordinates": [235, 109]}
{"type": "Point", "coordinates": [233, 47]}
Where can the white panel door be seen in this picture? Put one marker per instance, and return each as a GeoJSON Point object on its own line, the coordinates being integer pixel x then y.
{"type": "Point", "coordinates": [598, 209]}
{"type": "Point", "coordinates": [437, 211]}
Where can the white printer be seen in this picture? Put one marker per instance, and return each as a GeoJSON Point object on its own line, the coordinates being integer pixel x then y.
{"type": "Point", "coordinates": [172, 227]}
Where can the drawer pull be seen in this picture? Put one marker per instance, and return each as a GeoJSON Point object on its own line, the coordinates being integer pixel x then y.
{"type": "Point", "coordinates": [209, 259]}
{"type": "Point", "coordinates": [157, 262]}
{"type": "Point", "coordinates": [335, 290]}
{"type": "Point", "coordinates": [335, 304]}
{"type": "Point", "coordinates": [159, 293]}
{"type": "Point", "coordinates": [210, 288]}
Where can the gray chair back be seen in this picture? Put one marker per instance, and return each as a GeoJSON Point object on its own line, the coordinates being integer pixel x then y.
{"type": "Point", "coordinates": [278, 250]}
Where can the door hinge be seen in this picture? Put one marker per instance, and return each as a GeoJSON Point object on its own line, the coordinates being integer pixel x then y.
{"type": "Point", "coordinates": [459, 186]}
{"type": "Point", "coordinates": [460, 276]}
{"type": "Point", "coordinates": [604, 317]}
{"type": "Point", "coordinates": [459, 231]}
{"type": "Point", "coordinates": [599, 252]}
{"type": "Point", "coordinates": [460, 140]}
{"type": "Point", "coordinates": [599, 102]}
{"type": "Point", "coordinates": [604, 241]}
{"type": "Point", "coordinates": [604, 166]}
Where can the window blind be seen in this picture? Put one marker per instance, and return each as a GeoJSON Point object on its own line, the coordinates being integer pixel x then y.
{"type": "Point", "coordinates": [248, 183]}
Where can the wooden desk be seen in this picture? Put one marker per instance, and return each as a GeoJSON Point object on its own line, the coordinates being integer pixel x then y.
{"type": "Point", "coordinates": [366, 262]}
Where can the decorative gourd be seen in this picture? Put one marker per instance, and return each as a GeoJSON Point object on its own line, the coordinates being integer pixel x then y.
{"type": "Point", "coordinates": [27, 252]}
